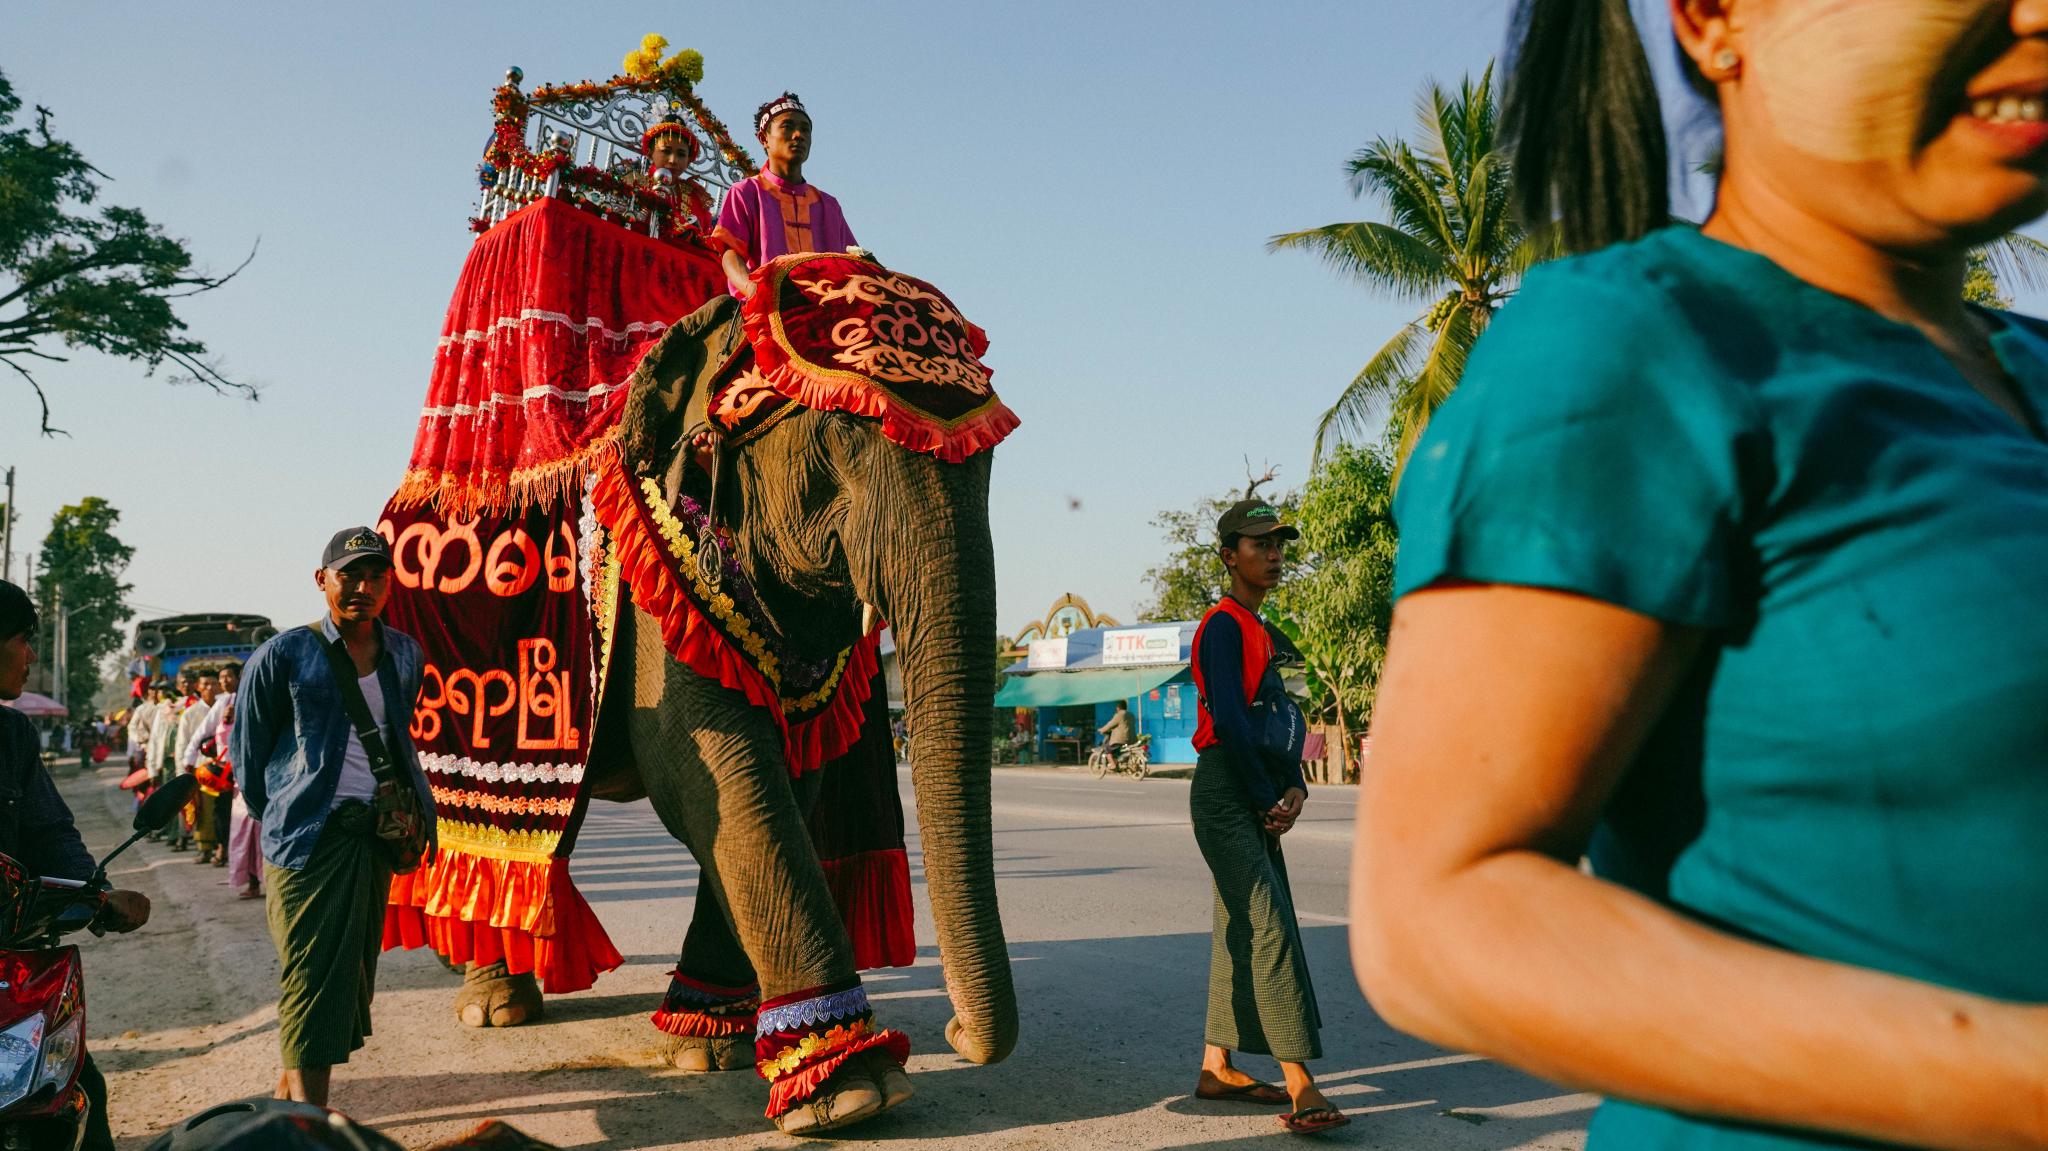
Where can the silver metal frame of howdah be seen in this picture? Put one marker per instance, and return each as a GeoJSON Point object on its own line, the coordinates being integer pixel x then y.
{"type": "Point", "coordinates": [603, 134]}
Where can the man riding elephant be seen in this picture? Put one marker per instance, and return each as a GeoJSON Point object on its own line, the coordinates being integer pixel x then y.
{"type": "Point", "coordinates": [651, 556]}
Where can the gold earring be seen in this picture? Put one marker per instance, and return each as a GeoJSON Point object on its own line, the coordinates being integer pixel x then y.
{"type": "Point", "coordinates": [1726, 59]}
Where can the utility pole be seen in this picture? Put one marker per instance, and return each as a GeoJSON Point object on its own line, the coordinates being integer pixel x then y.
{"type": "Point", "coordinates": [7, 532]}
{"type": "Point", "coordinates": [60, 665]}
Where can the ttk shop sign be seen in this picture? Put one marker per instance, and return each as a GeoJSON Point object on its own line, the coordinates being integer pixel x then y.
{"type": "Point", "coordinates": [1141, 645]}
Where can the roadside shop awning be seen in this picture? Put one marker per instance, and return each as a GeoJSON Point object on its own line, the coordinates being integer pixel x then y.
{"type": "Point", "coordinates": [1097, 685]}
{"type": "Point", "coordinates": [32, 704]}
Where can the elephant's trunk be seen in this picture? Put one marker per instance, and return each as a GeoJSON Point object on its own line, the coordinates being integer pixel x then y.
{"type": "Point", "coordinates": [940, 592]}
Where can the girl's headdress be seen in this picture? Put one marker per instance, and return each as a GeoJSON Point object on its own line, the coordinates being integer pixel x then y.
{"type": "Point", "coordinates": [669, 125]}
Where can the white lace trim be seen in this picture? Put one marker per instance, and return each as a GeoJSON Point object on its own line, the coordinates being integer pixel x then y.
{"type": "Point", "coordinates": [475, 335]}
{"type": "Point", "coordinates": [502, 772]}
{"type": "Point", "coordinates": [500, 399]}
{"type": "Point", "coordinates": [503, 398]}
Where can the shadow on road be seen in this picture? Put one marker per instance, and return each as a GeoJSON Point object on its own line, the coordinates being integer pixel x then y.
{"type": "Point", "coordinates": [1110, 1046]}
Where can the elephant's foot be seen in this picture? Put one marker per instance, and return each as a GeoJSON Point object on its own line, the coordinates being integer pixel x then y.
{"type": "Point", "coordinates": [888, 1078]}
{"type": "Point", "coordinates": [849, 1096]}
{"type": "Point", "coordinates": [709, 1053]}
{"type": "Point", "coordinates": [491, 996]}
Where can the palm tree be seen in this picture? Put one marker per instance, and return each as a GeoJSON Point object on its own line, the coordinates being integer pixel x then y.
{"type": "Point", "coordinates": [2010, 259]}
{"type": "Point", "coordinates": [1450, 239]}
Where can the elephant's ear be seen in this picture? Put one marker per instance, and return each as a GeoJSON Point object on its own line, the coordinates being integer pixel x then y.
{"type": "Point", "coordinates": [659, 390]}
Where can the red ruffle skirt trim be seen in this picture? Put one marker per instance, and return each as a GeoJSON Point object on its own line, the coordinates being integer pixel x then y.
{"type": "Point", "coordinates": [473, 908]}
{"type": "Point", "coordinates": [872, 892]}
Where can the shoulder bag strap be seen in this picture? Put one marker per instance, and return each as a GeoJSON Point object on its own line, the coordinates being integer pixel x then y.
{"type": "Point", "coordinates": [358, 708]}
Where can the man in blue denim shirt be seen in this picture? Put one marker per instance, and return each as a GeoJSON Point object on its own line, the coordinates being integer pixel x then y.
{"type": "Point", "coordinates": [307, 779]}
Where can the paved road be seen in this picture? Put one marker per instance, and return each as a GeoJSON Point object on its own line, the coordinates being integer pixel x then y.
{"type": "Point", "coordinates": [1107, 907]}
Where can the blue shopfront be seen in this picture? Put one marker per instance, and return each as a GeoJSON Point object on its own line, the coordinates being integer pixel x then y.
{"type": "Point", "coordinates": [1075, 681]}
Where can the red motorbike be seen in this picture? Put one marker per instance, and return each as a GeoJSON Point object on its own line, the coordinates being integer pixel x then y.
{"type": "Point", "coordinates": [42, 989]}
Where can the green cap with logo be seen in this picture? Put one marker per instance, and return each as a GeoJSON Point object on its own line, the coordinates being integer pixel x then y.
{"type": "Point", "coordinates": [1253, 518]}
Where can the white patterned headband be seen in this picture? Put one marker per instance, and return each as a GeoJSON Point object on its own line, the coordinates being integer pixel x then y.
{"type": "Point", "coordinates": [787, 102]}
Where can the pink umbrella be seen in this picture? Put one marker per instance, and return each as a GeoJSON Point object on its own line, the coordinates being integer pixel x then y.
{"type": "Point", "coordinates": [32, 704]}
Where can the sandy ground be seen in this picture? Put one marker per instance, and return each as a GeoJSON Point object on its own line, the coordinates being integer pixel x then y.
{"type": "Point", "coordinates": [1106, 905]}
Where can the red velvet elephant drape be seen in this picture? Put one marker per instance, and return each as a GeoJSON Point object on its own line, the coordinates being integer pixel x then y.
{"type": "Point", "coordinates": [504, 574]}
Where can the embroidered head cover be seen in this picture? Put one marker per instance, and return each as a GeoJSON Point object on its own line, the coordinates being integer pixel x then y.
{"type": "Point", "coordinates": [840, 333]}
{"type": "Point", "coordinates": [669, 125]}
{"type": "Point", "coordinates": [787, 102]}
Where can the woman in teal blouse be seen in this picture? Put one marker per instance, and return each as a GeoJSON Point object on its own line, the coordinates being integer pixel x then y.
{"type": "Point", "coordinates": [1727, 568]}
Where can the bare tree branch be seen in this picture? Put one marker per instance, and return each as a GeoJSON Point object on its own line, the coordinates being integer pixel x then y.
{"type": "Point", "coordinates": [40, 398]}
{"type": "Point", "coordinates": [1251, 486]}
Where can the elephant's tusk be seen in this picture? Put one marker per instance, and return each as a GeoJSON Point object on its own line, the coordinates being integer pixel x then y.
{"type": "Point", "coordinates": [868, 618]}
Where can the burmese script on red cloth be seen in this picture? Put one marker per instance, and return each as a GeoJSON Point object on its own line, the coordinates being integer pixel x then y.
{"type": "Point", "coordinates": [503, 725]}
{"type": "Point", "coordinates": [553, 311]}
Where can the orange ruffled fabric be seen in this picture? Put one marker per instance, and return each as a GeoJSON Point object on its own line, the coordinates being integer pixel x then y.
{"type": "Point", "coordinates": [473, 908]}
{"type": "Point", "coordinates": [692, 640]}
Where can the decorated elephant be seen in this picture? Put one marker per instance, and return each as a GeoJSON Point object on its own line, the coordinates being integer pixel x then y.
{"type": "Point", "coordinates": [743, 527]}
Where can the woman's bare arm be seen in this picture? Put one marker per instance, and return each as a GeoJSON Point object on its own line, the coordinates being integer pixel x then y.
{"type": "Point", "coordinates": [1505, 717]}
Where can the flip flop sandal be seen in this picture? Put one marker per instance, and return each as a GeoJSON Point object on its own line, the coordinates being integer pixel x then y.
{"type": "Point", "coordinates": [1314, 1120]}
{"type": "Point", "coordinates": [1261, 1093]}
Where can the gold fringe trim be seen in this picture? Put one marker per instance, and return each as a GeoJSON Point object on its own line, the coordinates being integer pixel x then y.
{"type": "Point", "coordinates": [495, 493]}
{"type": "Point", "coordinates": [497, 843]}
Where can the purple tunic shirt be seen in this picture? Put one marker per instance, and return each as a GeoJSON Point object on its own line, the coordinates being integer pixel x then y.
{"type": "Point", "coordinates": [766, 216]}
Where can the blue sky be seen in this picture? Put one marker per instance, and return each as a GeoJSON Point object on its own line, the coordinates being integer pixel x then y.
{"type": "Point", "coordinates": [1093, 183]}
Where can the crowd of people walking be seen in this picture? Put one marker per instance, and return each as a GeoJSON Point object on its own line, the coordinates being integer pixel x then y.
{"type": "Point", "coordinates": [181, 725]}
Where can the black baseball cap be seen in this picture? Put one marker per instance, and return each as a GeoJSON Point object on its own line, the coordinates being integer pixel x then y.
{"type": "Point", "coordinates": [352, 544]}
{"type": "Point", "coordinates": [1253, 518]}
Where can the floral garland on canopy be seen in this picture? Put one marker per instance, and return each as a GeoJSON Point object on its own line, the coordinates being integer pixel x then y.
{"type": "Point", "coordinates": [645, 72]}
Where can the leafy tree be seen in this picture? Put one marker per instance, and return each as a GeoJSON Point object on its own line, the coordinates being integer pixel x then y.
{"type": "Point", "coordinates": [1450, 240]}
{"type": "Point", "coordinates": [104, 282]}
{"type": "Point", "coordinates": [1338, 604]}
{"type": "Point", "coordinates": [82, 557]}
{"type": "Point", "coordinates": [1193, 578]}
{"type": "Point", "coordinates": [2011, 258]}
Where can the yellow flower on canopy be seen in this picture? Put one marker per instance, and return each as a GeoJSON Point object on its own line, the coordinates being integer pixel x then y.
{"type": "Point", "coordinates": [653, 42]}
{"type": "Point", "coordinates": [688, 63]}
{"type": "Point", "coordinates": [636, 63]}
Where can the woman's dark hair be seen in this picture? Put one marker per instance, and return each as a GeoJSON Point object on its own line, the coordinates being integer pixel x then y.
{"type": "Point", "coordinates": [17, 613]}
{"type": "Point", "coordinates": [1582, 120]}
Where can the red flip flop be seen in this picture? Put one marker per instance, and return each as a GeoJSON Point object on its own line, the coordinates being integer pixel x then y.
{"type": "Point", "coordinates": [1314, 1120]}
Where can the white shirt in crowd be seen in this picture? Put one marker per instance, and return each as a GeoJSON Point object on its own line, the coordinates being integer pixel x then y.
{"type": "Point", "coordinates": [139, 723]}
{"type": "Point", "coordinates": [189, 722]}
{"type": "Point", "coordinates": [208, 727]}
{"type": "Point", "coordinates": [357, 781]}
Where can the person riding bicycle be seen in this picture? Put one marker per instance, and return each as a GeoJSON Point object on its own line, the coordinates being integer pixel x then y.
{"type": "Point", "coordinates": [1120, 730]}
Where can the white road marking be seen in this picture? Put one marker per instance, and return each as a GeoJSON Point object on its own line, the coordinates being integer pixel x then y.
{"type": "Point", "coordinates": [1535, 1108]}
{"type": "Point", "coordinates": [1387, 1107]}
{"type": "Point", "coordinates": [1416, 1065]}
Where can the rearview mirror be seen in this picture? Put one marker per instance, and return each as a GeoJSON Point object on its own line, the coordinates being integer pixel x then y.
{"type": "Point", "coordinates": [164, 802]}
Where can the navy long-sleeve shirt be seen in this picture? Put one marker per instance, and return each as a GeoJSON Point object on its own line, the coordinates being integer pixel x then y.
{"type": "Point", "coordinates": [35, 823]}
{"type": "Point", "coordinates": [1222, 659]}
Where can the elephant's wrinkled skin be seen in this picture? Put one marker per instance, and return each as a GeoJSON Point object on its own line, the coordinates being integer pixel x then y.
{"type": "Point", "coordinates": [827, 515]}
